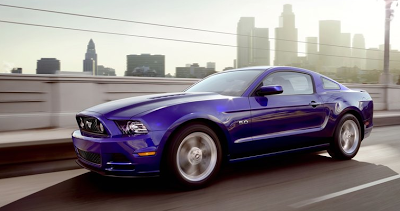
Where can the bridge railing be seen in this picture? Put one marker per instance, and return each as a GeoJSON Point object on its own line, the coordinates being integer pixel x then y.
{"type": "Point", "coordinates": [49, 101]}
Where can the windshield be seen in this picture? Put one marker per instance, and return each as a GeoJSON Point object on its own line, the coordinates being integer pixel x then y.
{"type": "Point", "coordinates": [227, 83]}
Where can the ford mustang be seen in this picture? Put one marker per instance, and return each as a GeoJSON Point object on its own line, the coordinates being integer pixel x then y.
{"type": "Point", "coordinates": [227, 117]}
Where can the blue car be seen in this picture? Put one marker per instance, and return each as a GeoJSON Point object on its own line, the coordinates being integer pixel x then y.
{"type": "Point", "coordinates": [229, 116]}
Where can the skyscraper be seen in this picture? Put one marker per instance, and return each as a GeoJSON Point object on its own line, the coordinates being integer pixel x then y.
{"type": "Point", "coordinates": [358, 51]}
{"type": "Point", "coordinates": [345, 40]}
{"type": "Point", "coordinates": [244, 28]}
{"type": "Point", "coordinates": [47, 66]}
{"type": "Point", "coordinates": [260, 47]}
{"type": "Point", "coordinates": [329, 33]}
{"type": "Point", "coordinates": [253, 44]}
{"type": "Point", "coordinates": [372, 62]}
{"type": "Point", "coordinates": [90, 62]}
{"type": "Point", "coordinates": [286, 31]}
{"type": "Point", "coordinates": [312, 50]}
{"type": "Point", "coordinates": [154, 64]}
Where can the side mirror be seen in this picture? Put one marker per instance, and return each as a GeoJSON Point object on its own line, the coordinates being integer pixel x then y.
{"type": "Point", "coordinates": [269, 90]}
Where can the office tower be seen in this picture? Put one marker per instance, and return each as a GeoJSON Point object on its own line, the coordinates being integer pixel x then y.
{"type": "Point", "coordinates": [47, 66]}
{"type": "Point", "coordinates": [374, 55]}
{"type": "Point", "coordinates": [105, 71]}
{"type": "Point", "coordinates": [312, 50]}
{"type": "Point", "coordinates": [210, 65]}
{"type": "Point", "coordinates": [394, 63]}
{"type": "Point", "coordinates": [194, 71]}
{"type": "Point", "coordinates": [345, 41]}
{"type": "Point", "coordinates": [17, 70]}
{"type": "Point", "coordinates": [286, 51]}
{"type": "Point", "coordinates": [253, 44]}
{"type": "Point", "coordinates": [358, 51]}
{"type": "Point", "coordinates": [260, 47]}
{"type": "Point", "coordinates": [329, 34]}
{"type": "Point", "coordinates": [145, 65]}
{"type": "Point", "coordinates": [90, 62]}
{"type": "Point", "coordinates": [244, 28]}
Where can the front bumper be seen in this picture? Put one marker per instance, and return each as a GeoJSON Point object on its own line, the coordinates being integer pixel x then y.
{"type": "Point", "coordinates": [118, 156]}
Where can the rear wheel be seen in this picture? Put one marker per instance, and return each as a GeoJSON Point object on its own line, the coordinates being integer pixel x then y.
{"type": "Point", "coordinates": [347, 138]}
{"type": "Point", "coordinates": [194, 156]}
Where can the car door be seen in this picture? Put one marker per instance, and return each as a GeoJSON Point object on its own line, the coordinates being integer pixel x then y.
{"type": "Point", "coordinates": [287, 120]}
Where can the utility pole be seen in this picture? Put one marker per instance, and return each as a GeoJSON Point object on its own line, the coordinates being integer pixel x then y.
{"type": "Point", "coordinates": [386, 77]}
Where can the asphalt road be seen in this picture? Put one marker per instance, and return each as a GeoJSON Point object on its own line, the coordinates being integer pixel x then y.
{"type": "Point", "coordinates": [292, 182]}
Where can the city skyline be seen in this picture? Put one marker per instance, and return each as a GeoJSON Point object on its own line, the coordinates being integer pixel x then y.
{"type": "Point", "coordinates": [114, 55]}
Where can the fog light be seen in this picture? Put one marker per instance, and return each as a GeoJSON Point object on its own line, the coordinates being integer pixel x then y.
{"type": "Point", "coordinates": [142, 154]}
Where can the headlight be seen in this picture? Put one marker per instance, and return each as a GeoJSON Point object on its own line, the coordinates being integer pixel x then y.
{"type": "Point", "coordinates": [131, 127]}
{"type": "Point", "coordinates": [90, 124]}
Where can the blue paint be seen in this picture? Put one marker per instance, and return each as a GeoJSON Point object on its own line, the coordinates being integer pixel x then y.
{"type": "Point", "coordinates": [274, 124]}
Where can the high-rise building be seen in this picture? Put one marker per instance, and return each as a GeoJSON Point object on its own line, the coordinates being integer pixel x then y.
{"type": "Point", "coordinates": [329, 34]}
{"type": "Point", "coordinates": [373, 56]}
{"type": "Point", "coordinates": [194, 71]}
{"type": "Point", "coordinates": [358, 51]}
{"type": "Point", "coordinates": [105, 71]}
{"type": "Point", "coordinates": [345, 41]}
{"type": "Point", "coordinates": [244, 28]}
{"type": "Point", "coordinates": [260, 47]}
{"type": "Point", "coordinates": [394, 57]}
{"type": "Point", "coordinates": [90, 62]}
{"type": "Point", "coordinates": [47, 66]}
{"type": "Point", "coordinates": [210, 65]}
{"type": "Point", "coordinates": [154, 64]}
{"type": "Point", "coordinates": [312, 50]}
{"type": "Point", "coordinates": [253, 44]}
{"type": "Point", "coordinates": [286, 51]}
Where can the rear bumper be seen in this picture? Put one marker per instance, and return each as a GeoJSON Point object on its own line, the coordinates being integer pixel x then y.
{"type": "Point", "coordinates": [118, 156]}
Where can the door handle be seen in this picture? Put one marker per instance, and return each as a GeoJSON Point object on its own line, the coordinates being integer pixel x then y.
{"type": "Point", "coordinates": [314, 104]}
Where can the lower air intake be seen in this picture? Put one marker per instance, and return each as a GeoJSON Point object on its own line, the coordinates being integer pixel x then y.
{"type": "Point", "coordinates": [90, 156]}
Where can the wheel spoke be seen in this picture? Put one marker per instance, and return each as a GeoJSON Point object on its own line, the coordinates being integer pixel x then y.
{"type": "Point", "coordinates": [349, 136]}
{"type": "Point", "coordinates": [196, 156]}
{"type": "Point", "coordinates": [184, 163]}
{"type": "Point", "coordinates": [191, 170]}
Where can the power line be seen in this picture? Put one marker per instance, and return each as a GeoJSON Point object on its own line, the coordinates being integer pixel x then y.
{"type": "Point", "coordinates": [177, 40]}
{"type": "Point", "coordinates": [175, 27]}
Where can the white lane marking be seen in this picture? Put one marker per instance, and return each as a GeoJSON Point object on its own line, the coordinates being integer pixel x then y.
{"type": "Point", "coordinates": [333, 195]}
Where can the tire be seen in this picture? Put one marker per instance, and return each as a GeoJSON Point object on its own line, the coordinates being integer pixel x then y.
{"type": "Point", "coordinates": [194, 156]}
{"type": "Point", "coordinates": [347, 138]}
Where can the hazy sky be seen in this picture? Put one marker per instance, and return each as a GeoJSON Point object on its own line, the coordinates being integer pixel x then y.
{"type": "Point", "coordinates": [22, 46]}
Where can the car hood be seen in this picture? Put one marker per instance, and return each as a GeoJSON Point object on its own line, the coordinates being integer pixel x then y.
{"type": "Point", "coordinates": [130, 107]}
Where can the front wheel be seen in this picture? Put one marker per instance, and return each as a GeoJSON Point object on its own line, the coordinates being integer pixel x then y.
{"type": "Point", "coordinates": [194, 156]}
{"type": "Point", "coordinates": [347, 138]}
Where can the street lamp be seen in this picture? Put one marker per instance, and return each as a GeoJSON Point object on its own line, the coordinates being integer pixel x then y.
{"type": "Point", "coordinates": [386, 78]}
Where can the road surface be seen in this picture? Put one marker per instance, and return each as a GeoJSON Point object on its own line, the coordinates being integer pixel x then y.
{"type": "Point", "coordinates": [292, 182]}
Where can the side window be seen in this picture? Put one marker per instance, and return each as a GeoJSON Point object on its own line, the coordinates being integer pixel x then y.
{"type": "Point", "coordinates": [328, 84]}
{"type": "Point", "coordinates": [291, 82]}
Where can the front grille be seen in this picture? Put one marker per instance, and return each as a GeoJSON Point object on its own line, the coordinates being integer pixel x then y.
{"type": "Point", "coordinates": [90, 156]}
{"type": "Point", "coordinates": [91, 125]}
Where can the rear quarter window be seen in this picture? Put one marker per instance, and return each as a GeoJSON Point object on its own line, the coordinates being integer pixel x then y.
{"type": "Point", "coordinates": [328, 84]}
